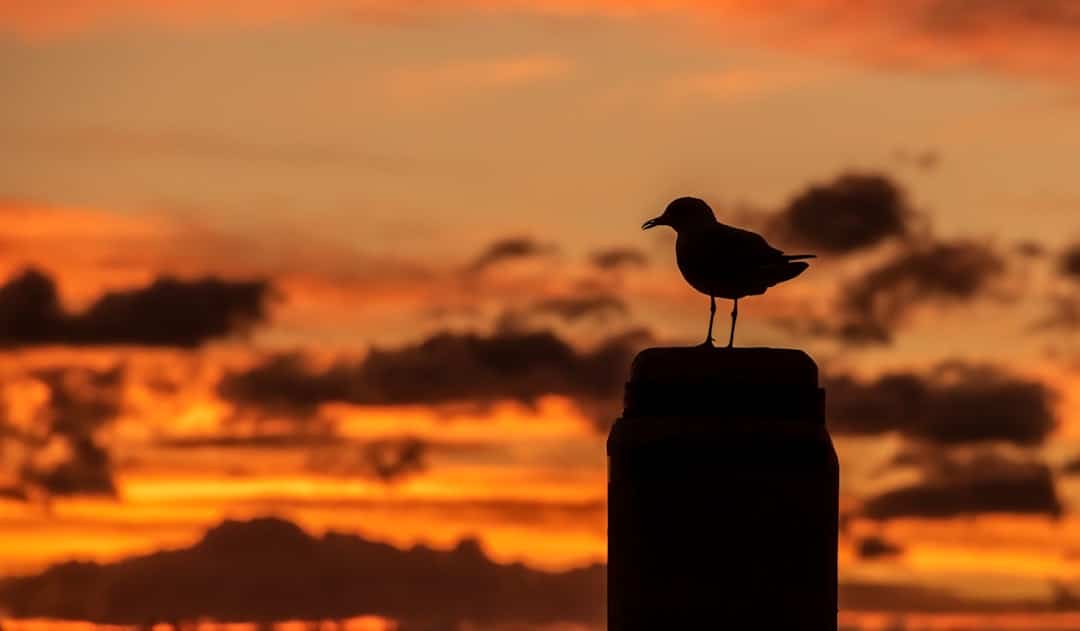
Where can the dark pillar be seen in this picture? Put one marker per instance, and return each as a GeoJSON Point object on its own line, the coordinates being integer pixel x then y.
{"type": "Point", "coordinates": [722, 494]}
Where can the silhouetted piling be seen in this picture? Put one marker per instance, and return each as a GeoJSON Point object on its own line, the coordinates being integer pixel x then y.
{"type": "Point", "coordinates": [722, 494]}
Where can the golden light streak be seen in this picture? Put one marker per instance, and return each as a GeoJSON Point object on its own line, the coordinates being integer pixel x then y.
{"type": "Point", "coordinates": [360, 623]}
{"type": "Point", "coordinates": [991, 560]}
{"type": "Point", "coordinates": [538, 484]}
{"type": "Point", "coordinates": [554, 418]}
{"type": "Point", "coordinates": [1004, 621]}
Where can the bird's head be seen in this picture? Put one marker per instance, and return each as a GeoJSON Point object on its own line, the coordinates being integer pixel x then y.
{"type": "Point", "coordinates": [685, 213]}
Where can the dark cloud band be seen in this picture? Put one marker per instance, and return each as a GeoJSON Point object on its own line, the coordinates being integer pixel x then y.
{"type": "Point", "coordinates": [954, 404]}
{"type": "Point", "coordinates": [444, 368]}
{"type": "Point", "coordinates": [986, 483]}
{"type": "Point", "coordinates": [169, 312]}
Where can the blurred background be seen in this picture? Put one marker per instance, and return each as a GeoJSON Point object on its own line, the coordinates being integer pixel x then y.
{"type": "Point", "coordinates": [304, 303]}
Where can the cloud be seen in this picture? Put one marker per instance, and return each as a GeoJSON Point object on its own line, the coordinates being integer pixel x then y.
{"type": "Point", "coordinates": [285, 383]}
{"type": "Point", "coordinates": [169, 312]}
{"type": "Point", "coordinates": [444, 368]}
{"type": "Point", "coordinates": [230, 574]}
{"type": "Point", "coordinates": [386, 460]}
{"type": "Point", "coordinates": [1030, 249]}
{"type": "Point", "coordinates": [874, 305]}
{"type": "Point", "coordinates": [1070, 262]}
{"type": "Point", "coordinates": [600, 307]}
{"type": "Point", "coordinates": [984, 483]}
{"type": "Point", "coordinates": [86, 470]}
{"type": "Point", "coordinates": [1065, 598]}
{"type": "Point", "coordinates": [13, 493]}
{"type": "Point", "coordinates": [59, 453]}
{"type": "Point", "coordinates": [269, 569]}
{"type": "Point", "coordinates": [854, 211]}
{"type": "Point", "coordinates": [1022, 37]}
{"type": "Point", "coordinates": [871, 548]}
{"type": "Point", "coordinates": [597, 307]}
{"type": "Point", "coordinates": [922, 159]}
{"type": "Point", "coordinates": [1063, 314]}
{"type": "Point", "coordinates": [905, 598]}
{"type": "Point", "coordinates": [954, 404]}
{"type": "Point", "coordinates": [30, 311]}
{"type": "Point", "coordinates": [325, 279]}
{"type": "Point", "coordinates": [257, 440]}
{"type": "Point", "coordinates": [327, 452]}
{"type": "Point", "coordinates": [509, 249]}
{"type": "Point", "coordinates": [857, 212]}
{"type": "Point", "coordinates": [1072, 467]}
{"type": "Point", "coordinates": [618, 258]}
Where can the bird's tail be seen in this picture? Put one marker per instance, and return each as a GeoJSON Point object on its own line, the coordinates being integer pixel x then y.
{"type": "Point", "coordinates": [799, 257]}
{"type": "Point", "coordinates": [787, 271]}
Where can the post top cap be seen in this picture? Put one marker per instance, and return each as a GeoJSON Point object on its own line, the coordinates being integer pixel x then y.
{"type": "Point", "coordinates": [758, 366]}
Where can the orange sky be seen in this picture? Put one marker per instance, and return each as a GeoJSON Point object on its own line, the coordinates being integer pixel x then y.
{"type": "Point", "coordinates": [392, 172]}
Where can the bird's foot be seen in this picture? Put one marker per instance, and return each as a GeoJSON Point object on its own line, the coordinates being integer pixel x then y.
{"type": "Point", "coordinates": [708, 343]}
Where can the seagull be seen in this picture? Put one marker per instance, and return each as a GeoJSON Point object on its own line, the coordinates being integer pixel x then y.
{"type": "Point", "coordinates": [723, 261]}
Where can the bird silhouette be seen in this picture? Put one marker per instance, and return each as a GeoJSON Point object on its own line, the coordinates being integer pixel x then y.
{"type": "Point", "coordinates": [722, 261]}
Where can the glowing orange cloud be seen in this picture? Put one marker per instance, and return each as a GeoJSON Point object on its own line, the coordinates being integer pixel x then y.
{"type": "Point", "coordinates": [320, 281]}
{"type": "Point", "coordinates": [1029, 37]}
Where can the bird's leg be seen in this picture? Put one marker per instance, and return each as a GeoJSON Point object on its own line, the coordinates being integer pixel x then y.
{"type": "Point", "coordinates": [712, 316]}
{"type": "Point", "coordinates": [734, 317]}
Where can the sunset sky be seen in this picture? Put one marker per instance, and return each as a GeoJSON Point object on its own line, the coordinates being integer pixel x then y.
{"type": "Point", "coordinates": [377, 268]}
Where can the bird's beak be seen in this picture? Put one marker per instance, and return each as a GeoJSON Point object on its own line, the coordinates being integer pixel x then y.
{"type": "Point", "coordinates": [652, 223]}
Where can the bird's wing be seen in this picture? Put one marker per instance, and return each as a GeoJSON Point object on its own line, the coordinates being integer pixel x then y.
{"type": "Point", "coordinates": [746, 245]}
